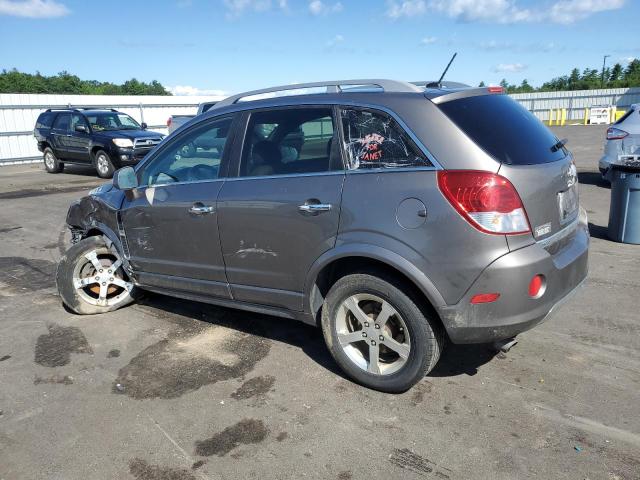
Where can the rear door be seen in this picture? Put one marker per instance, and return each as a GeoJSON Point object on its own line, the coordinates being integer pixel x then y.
{"type": "Point", "coordinates": [281, 211]}
{"type": "Point", "coordinates": [171, 221]}
{"type": "Point", "coordinates": [60, 135]}
{"type": "Point", "coordinates": [540, 168]}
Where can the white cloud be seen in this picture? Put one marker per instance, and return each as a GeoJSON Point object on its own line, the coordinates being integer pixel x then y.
{"type": "Point", "coordinates": [188, 90]}
{"type": "Point", "coordinates": [235, 8]}
{"type": "Point", "coordinates": [493, 45]}
{"type": "Point", "coordinates": [570, 11]}
{"type": "Point", "coordinates": [33, 8]}
{"type": "Point", "coordinates": [503, 11]}
{"type": "Point", "coordinates": [335, 41]}
{"type": "Point", "coordinates": [510, 67]}
{"type": "Point", "coordinates": [318, 7]}
{"type": "Point", "coordinates": [428, 40]}
{"type": "Point", "coordinates": [406, 8]}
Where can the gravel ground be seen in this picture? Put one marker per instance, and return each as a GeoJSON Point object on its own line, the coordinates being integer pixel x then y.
{"type": "Point", "coordinates": [169, 389]}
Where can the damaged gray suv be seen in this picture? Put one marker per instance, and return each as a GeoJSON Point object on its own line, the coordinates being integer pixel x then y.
{"type": "Point", "coordinates": [394, 216]}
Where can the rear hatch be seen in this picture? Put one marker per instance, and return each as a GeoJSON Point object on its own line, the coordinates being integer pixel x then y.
{"type": "Point", "coordinates": [531, 157]}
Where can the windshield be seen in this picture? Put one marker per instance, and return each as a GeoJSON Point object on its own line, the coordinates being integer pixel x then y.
{"type": "Point", "coordinates": [101, 122]}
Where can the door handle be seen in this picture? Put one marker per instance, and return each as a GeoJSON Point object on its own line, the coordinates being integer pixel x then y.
{"type": "Point", "coordinates": [314, 208]}
{"type": "Point", "coordinates": [199, 209]}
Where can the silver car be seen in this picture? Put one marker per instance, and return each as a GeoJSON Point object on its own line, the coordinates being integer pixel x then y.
{"type": "Point", "coordinates": [392, 216]}
{"type": "Point", "coordinates": [623, 139]}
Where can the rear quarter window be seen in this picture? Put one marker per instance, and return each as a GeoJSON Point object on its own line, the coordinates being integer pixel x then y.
{"type": "Point", "coordinates": [45, 120]}
{"type": "Point", "coordinates": [504, 129]}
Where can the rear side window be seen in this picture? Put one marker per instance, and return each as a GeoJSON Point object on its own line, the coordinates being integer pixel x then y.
{"type": "Point", "coordinates": [45, 120]}
{"type": "Point", "coordinates": [504, 129]}
{"type": "Point", "coordinates": [289, 141]}
{"type": "Point", "coordinates": [625, 116]}
{"type": "Point", "coordinates": [375, 140]}
{"type": "Point", "coordinates": [63, 122]}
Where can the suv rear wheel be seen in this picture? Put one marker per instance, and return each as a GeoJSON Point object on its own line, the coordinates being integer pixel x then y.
{"type": "Point", "coordinates": [91, 278]}
{"type": "Point", "coordinates": [103, 164]}
{"type": "Point", "coordinates": [51, 162]}
{"type": "Point", "coordinates": [378, 335]}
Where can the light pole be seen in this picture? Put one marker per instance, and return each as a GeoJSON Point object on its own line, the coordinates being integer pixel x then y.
{"type": "Point", "coordinates": [604, 61]}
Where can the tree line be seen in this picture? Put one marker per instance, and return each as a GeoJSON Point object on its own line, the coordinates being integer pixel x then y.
{"type": "Point", "coordinates": [13, 81]}
{"type": "Point", "coordinates": [588, 79]}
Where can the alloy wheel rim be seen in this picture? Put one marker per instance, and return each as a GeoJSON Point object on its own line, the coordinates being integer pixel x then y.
{"type": "Point", "coordinates": [99, 278]}
{"type": "Point", "coordinates": [372, 334]}
{"type": "Point", "coordinates": [48, 160]}
{"type": "Point", "coordinates": [103, 166]}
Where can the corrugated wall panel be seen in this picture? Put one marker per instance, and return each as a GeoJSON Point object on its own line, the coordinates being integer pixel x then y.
{"type": "Point", "coordinates": [18, 114]}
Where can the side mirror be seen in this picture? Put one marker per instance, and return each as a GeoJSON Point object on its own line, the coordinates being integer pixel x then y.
{"type": "Point", "coordinates": [144, 126]}
{"type": "Point", "coordinates": [125, 179]}
{"type": "Point", "coordinates": [81, 128]}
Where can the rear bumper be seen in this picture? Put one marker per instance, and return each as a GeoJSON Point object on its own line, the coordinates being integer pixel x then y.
{"type": "Point", "coordinates": [564, 263]}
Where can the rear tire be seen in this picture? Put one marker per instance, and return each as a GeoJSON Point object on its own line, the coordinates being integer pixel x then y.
{"type": "Point", "coordinates": [406, 340]}
{"type": "Point", "coordinates": [91, 278]}
{"type": "Point", "coordinates": [51, 162]}
{"type": "Point", "coordinates": [103, 164]}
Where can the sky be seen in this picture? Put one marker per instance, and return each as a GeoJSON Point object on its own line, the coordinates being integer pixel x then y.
{"type": "Point", "coordinates": [228, 46]}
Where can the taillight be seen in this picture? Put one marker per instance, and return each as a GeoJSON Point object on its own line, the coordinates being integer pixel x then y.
{"type": "Point", "coordinates": [615, 133]}
{"type": "Point", "coordinates": [495, 90]}
{"type": "Point", "coordinates": [486, 200]}
{"type": "Point", "coordinates": [168, 122]}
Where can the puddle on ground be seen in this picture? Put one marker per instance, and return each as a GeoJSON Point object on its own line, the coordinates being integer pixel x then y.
{"type": "Point", "coordinates": [20, 275]}
{"type": "Point", "coordinates": [55, 348]}
{"type": "Point", "coordinates": [142, 470]}
{"type": "Point", "coordinates": [254, 387]}
{"type": "Point", "coordinates": [189, 359]}
{"type": "Point", "coordinates": [244, 432]}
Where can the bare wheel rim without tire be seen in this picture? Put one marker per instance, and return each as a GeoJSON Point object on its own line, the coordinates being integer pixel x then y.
{"type": "Point", "coordinates": [99, 278]}
{"type": "Point", "coordinates": [102, 164]}
{"type": "Point", "coordinates": [373, 334]}
{"type": "Point", "coordinates": [49, 160]}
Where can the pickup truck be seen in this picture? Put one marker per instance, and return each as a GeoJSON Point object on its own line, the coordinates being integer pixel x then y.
{"type": "Point", "coordinates": [176, 121]}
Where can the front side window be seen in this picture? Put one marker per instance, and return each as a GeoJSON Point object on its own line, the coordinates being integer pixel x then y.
{"type": "Point", "coordinates": [375, 140]}
{"type": "Point", "coordinates": [105, 121]}
{"type": "Point", "coordinates": [192, 156]}
{"type": "Point", "coordinates": [77, 120]}
{"type": "Point", "coordinates": [290, 141]}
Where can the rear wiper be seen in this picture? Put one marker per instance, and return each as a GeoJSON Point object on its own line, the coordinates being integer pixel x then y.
{"type": "Point", "coordinates": [557, 146]}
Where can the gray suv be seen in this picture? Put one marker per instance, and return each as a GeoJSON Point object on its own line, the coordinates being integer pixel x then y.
{"type": "Point", "coordinates": [395, 217]}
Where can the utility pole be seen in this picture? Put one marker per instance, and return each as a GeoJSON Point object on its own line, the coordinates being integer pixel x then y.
{"type": "Point", "coordinates": [604, 61]}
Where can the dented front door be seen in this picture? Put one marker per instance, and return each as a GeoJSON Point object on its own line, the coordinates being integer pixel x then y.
{"type": "Point", "coordinates": [172, 235]}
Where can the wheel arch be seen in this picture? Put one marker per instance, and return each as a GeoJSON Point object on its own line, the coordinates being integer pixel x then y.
{"type": "Point", "coordinates": [357, 258]}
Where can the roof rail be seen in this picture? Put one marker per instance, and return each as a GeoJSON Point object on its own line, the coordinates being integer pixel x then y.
{"type": "Point", "coordinates": [335, 86]}
{"type": "Point", "coordinates": [435, 84]}
{"type": "Point", "coordinates": [77, 109]}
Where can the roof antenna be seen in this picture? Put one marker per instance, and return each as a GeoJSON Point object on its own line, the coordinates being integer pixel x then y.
{"type": "Point", "coordinates": [439, 82]}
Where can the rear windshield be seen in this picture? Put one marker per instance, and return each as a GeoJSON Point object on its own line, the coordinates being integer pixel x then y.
{"type": "Point", "coordinates": [624, 117]}
{"type": "Point", "coordinates": [504, 129]}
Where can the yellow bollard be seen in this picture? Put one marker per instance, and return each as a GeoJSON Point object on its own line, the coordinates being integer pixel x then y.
{"type": "Point", "coordinates": [550, 117]}
{"type": "Point", "coordinates": [564, 116]}
{"type": "Point", "coordinates": [558, 114]}
{"type": "Point", "coordinates": [586, 116]}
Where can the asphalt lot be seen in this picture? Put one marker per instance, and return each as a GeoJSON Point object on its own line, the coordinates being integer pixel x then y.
{"type": "Point", "coordinates": [170, 389]}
